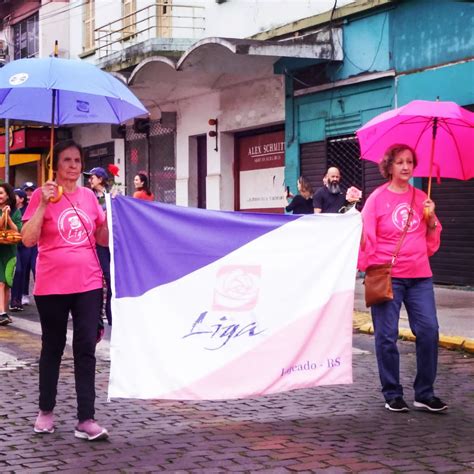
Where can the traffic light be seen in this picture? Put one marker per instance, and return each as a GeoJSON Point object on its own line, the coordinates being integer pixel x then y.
{"type": "Point", "coordinates": [213, 133]}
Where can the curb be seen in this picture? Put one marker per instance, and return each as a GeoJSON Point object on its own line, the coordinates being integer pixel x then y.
{"type": "Point", "coordinates": [362, 322]}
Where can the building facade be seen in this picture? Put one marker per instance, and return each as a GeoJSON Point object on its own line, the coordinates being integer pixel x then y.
{"type": "Point", "coordinates": [390, 58]}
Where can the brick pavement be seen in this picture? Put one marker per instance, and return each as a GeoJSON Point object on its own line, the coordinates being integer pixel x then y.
{"type": "Point", "coordinates": [326, 429]}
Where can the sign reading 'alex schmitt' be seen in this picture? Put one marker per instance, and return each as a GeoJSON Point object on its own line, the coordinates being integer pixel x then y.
{"type": "Point", "coordinates": [262, 171]}
{"type": "Point", "coordinates": [215, 315]}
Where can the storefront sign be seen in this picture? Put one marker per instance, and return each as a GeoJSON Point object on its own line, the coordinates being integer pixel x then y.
{"type": "Point", "coordinates": [262, 172]}
{"type": "Point", "coordinates": [26, 138]}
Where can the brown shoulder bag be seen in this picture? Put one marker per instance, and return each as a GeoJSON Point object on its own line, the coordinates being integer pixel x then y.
{"type": "Point", "coordinates": [378, 278]}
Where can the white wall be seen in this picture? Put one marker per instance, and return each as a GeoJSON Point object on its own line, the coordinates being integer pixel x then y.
{"type": "Point", "coordinates": [247, 106]}
{"type": "Point", "coordinates": [192, 117]}
{"type": "Point", "coordinates": [88, 135]}
{"type": "Point", "coordinates": [54, 25]}
{"type": "Point", "coordinates": [242, 18]}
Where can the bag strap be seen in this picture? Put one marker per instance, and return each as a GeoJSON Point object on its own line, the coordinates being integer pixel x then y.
{"type": "Point", "coordinates": [4, 220]}
{"type": "Point", "coordinates": [94, 251]}
{"type": "Point", "coordinates": [405, 229]}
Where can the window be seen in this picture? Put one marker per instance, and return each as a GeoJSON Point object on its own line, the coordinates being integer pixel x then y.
{"type": "Point", "coordinates": [164, 19]}
{"type": "Point", "coordinates": [25, 34]}
{"type": "Point", "coordinates": [129, 7]}
{"type": "Point", "coordinates": [88, 40]}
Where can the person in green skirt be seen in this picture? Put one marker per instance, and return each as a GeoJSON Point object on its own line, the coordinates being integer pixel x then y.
{"type": "Point", "coordinates": [7, 251]}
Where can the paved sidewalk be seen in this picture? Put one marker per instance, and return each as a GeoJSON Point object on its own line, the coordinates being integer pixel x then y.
{"type": "Point", "coordinates": [332, 429]}
{"type": "Point", "coordinates": [455, 308]}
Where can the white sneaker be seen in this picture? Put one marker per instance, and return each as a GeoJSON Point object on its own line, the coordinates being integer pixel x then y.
{"type": "Point", "coordinates": [25, 299]}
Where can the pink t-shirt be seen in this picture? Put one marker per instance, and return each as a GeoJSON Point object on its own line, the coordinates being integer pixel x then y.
{"type": "Point", "coordinates": [67, 260]}
{"type": "Point", "coordinates": [384, 216]}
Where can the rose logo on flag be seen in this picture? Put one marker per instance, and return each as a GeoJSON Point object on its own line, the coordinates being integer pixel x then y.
{"type": "Point", "coordinates": [237, 288]}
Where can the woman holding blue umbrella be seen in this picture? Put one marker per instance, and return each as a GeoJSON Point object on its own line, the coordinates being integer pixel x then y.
{"type": "Point", "coordinates": [68, 280]}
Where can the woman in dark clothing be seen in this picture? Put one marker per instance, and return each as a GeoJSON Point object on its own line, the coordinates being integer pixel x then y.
{"type": "Point", "coordinates": [22, 258]}
{"type": "Point", "coordinates": [302, 203]}
{"type": "Point", "coordinates": [98, 178]}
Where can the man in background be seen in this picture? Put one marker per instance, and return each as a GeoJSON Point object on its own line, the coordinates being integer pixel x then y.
{"type": "Point", "coordinates": [330, 198]}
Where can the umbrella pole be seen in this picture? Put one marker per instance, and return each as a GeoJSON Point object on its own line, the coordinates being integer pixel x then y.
{"type": "Point", "coordinates": [433, 141]}
{"type": "Point", "coordinates": [51, 140]}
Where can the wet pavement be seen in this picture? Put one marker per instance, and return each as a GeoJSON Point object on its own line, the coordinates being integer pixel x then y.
{"type": "Point", "coordinates": [324, 429]}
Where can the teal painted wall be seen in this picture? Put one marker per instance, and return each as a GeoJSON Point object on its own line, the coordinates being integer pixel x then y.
{"type": "Point", "coordinates": [407, 36]}
{"type": "Point", "coordinates": [365, 45]}
{"type": "Point", "coordinates": [308, 118]}
{"type": "Point", "coordinates": [454, 83]}
{"type": "Point", "coordinates": [426, 33]}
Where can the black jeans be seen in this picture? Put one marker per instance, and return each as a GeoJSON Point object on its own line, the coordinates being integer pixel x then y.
{"type": "Point", "coordinates": [54, 312]}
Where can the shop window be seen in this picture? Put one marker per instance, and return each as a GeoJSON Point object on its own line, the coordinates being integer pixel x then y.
{"type": "Point", "coordinates": [25, 34]}
{"type": "Point", "coordinates": [88, 40]}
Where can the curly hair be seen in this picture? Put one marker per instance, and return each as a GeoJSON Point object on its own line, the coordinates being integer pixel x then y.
{"type": "Point", "coordinates": [389, 157]}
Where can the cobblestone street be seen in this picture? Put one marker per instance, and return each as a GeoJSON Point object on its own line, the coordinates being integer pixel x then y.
{"type": "Point", "coordinates": [332, 429]}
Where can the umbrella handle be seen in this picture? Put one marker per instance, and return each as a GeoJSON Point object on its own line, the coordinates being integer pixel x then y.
{"type": "Point", "coordinates": [58, 195]}
{"type": "Point", "coordinates": [426, 213]}
{"type": "Point", "coordinates": [60, 189]}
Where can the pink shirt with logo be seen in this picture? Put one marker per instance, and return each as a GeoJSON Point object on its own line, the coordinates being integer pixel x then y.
{"type": "Point", "coordinates": [66, 250]}
{"type": "Point", "coordinates": [384, 216]}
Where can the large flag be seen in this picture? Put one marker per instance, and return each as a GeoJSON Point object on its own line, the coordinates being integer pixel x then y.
{"type": "Point", "coordinates": [219, 305]}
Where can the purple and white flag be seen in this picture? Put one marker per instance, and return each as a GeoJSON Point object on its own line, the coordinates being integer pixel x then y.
{"type": "Point", "coordinates": [219, 305]}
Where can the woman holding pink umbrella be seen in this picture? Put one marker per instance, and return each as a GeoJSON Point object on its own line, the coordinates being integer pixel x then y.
{"type": "Point", "coordinates": [394, 209]}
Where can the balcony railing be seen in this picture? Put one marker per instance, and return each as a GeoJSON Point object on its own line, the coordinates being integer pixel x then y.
{"type": "Point", "coordinates": [158, 20]}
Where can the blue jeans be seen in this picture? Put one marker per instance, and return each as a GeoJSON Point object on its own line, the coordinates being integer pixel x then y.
{"type": "Point", "coordinates": [417, 294]}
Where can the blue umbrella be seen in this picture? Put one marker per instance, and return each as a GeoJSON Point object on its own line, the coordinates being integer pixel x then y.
{"type": "Point", "coordinates": [83, 93]}
{"type": "Point", "coordinates": [59, 91]}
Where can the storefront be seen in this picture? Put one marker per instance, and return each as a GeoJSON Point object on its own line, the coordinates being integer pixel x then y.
{"type": "Point", "coordinates": [27, 147]}
{"type": "Point", "coordinates": [260, 171]}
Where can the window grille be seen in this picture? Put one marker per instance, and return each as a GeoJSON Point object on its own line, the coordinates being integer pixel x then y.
{"type": "Point", "coordinates": [153, 155]}
{"type": "Point", "coordinates": [344, 153]}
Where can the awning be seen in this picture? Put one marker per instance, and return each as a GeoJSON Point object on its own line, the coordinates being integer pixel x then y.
{"type": "Point", "coordinates": [19, 158]}
{"type": "Point", "coordinates": [215, 63]}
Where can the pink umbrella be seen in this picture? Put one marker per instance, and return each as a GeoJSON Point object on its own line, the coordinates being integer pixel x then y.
{"type": "Point", "coordinates": [441, 133]}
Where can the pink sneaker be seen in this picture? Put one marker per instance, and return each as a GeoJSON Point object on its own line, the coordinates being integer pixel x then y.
{"type": "Point", "coordinates": [90, 430]}
{"type": "Point", "coordinates": [44, 422]}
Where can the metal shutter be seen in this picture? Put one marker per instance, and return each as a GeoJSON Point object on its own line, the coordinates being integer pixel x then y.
{"type": "Point", "coordinates": [313, 162]}
{"type": "Point", "coordinates": [454, 262]}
